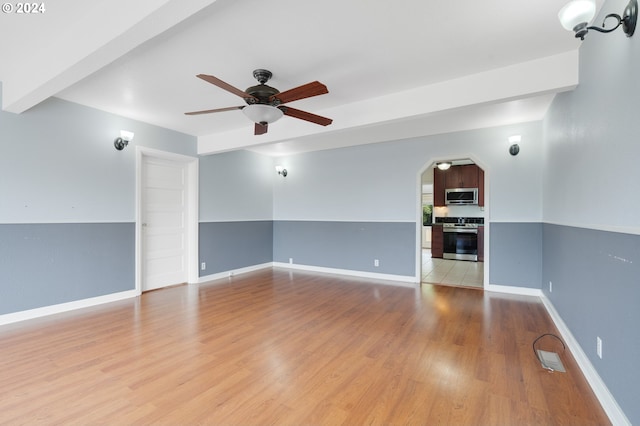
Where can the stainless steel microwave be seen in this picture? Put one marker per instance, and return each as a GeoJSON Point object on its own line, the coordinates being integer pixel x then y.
{"type": "Point", "coordinates": [461, 196]}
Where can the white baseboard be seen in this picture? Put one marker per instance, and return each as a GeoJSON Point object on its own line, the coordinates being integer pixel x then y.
{"type": "Point", "coordinates": [523, 291]}
{"type": "Point", "coordinates": [608, 402]}
{"type": "Point", "coordinates": [94, 301]}
{"type": "Point", "coordinates": [65, 307]}
{"type": "Point", "coordinates": [233, 272]}
{"type": "Point", "coordinates": [405, 280]}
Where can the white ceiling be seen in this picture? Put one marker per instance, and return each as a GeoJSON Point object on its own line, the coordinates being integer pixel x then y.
{"type": "Point", "coordinates": [394, 69]}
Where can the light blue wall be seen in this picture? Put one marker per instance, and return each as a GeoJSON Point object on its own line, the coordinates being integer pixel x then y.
{"type": "Point", "coordinates": [347, 245]}
{"type": "Point", "coordinates": [516, 254]}
{"type": "Point", "coordinates": [591, 171]}
{"type": "Point", "coordinates": [370, 188]}
{"type": "Point", "coordinates": [596, 291]}
{"type": "Point", "coordinates": [379, 184]}
{"type": "Point", "coordinates": [80, 178]}
{"type": "Point", "coordinates": [225, 246]}
{"type": "Point", "coordinates": [236, 211]}
{"type": "Point", "coordinates": [236, 186]}
{"type": "Point", "coordinates": [59, 164]}
{"type": "Point", "coordinates": [67, 203]}
{"type": "Point", "coordinates": [48, 264]}
{"type": "Point", "coordinates": [591, 202]}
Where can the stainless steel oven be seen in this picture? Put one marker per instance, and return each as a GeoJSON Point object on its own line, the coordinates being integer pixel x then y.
{"type": "Point", "coordinates": [460, 241]}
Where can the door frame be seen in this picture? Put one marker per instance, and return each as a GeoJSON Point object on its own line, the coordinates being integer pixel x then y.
{"type": "Point", "coordinates": [192, 186]}
{"type": "Point", "coordinates": [487, 213]}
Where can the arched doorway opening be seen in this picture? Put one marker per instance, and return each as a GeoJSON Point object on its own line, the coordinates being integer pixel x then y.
{"type": "Point", "coordinates": [452, 236]}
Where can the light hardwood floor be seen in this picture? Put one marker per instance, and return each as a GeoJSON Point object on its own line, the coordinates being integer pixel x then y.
{"type": "Point", "coordinates": [292, 348]}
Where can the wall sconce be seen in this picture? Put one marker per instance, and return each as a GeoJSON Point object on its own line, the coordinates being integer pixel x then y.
{"type": "Point", "coordinates": [514, 149]}
{"type": "Point", "coordinates": [123, 140]}
{"type": "Point", "coordinates": [281, 171]}
{"type": "Point", "coordinates": [577, 14]}
{"type": "Point", "coordinates": [444, 165]}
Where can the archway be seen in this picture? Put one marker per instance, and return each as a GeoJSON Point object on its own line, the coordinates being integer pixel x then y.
{"type": "Point", "coordinates": [457, 254]}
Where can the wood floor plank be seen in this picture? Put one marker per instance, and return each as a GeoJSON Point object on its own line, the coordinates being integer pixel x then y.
{"type": "Point", "coordinates": [287, 348]}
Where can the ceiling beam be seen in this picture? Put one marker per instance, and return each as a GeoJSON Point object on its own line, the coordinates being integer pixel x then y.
{"type": "Point", "coordinates": [543, 76]}
{"type": "Point", "coordinates": [98, 35]}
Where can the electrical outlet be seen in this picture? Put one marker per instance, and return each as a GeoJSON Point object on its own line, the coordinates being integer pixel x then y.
{"type": "Point", "coordinates": [376, 262]}
{"type": "Point", "coordinates": [550, 287]}
{"type": "Point", "coordinates": [203, 265]}
{"type": "Point", "coordinates": [599, 347]}
{"type": "Point", "coordinates": [291, 260]}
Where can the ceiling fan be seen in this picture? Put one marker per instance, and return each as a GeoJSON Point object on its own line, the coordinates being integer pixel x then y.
{"type": "Point", "coordinates": [265, 103]}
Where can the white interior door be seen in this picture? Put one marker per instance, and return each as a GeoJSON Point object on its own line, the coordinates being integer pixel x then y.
{"type": "Point", "coordinates": [164, 213]}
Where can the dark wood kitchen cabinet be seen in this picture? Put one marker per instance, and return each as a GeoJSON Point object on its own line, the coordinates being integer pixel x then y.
{"type": "Point", "coordinates": [438, 187]}
{"type": "Point", "coordinates": [480, 187]}
{"type": "Point", "coordinates": [466, 176]}
{"type": "Point", "coordinates": [480, 243]}
{"type": "Point", "coordinates": [462, 176]}
{"type": "Point", "coordinates": [437, 241]}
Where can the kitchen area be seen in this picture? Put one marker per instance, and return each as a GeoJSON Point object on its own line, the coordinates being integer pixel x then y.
{"type": "Point", "coordinates": [453, 224]}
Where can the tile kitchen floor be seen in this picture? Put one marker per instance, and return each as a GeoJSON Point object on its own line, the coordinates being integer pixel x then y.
{"type": "Point", "coordinates": [451, 272]}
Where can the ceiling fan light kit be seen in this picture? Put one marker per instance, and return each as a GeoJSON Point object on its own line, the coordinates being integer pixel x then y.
{"type": "Point", "coordinates": [263, 114]}
{"type": "Point", "coordinates": [265, 103]}
{"type": "Point", "coordinates": [577, 14]}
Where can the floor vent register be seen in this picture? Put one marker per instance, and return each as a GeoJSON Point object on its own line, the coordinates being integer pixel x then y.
{"type": "Point", "coordinates": [550, 361]}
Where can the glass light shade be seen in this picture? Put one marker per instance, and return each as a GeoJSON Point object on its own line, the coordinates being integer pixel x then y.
{"type": "Point", "coordinates": [577, 12]}
{"type": "Point", "coordinates": [259, 113]}
{"type": "Point", "coordinates": [281, 171]}
{"type": "Point", "coordinates": [443, 166]}
{"type": "Point", "coordinates": [126, 135]}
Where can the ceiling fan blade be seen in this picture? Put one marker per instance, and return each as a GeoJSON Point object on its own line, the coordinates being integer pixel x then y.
{"type": "Point", "coordinates": [260, 129]}
{"type": "Point", "coordinates": [308, 90]}
{"type": "Point", "coordinates": [209, 111]}
{"type": "Point", "coordinates": [226, 86]}
{"type": "Point", "coordinates": [307, 116]}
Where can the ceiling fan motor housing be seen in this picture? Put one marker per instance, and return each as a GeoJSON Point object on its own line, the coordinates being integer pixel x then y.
{"type": "Point", "coordinates": [262, 92]}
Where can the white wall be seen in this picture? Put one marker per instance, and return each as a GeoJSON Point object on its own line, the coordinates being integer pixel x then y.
{"type": "Point", "coordinates": [380, 182]}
